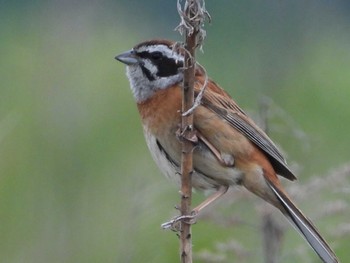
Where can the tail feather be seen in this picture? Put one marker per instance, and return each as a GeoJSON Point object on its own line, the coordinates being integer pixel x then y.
{"type": "Point", "coordinates": [305, 227]}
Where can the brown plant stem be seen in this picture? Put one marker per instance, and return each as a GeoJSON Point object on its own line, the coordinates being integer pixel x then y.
{"type": "Point", "coordinates": [187, 148]}
{"type": "Point", "coordinates": [192, 15]}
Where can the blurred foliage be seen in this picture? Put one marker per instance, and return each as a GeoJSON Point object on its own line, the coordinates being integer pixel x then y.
{"type": "Point", "coordinates": [77, 183]}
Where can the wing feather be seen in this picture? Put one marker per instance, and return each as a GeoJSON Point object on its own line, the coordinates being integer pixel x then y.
{"type": "Point", "coordinates": [219, 102]}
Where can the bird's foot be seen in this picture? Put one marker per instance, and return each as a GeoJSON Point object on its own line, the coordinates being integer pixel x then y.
{"type": "Point", "coordinates": [175, 224]}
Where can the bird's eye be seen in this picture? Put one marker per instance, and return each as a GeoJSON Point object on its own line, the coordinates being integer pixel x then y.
{"type": "Point", "coordinates": [156, 55]}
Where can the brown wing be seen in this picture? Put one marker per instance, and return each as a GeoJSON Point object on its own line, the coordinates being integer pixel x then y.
{"type": "Point", "coordinates": [219, 102]}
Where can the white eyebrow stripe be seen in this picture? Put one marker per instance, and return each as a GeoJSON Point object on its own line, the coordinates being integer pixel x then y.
{"type": "Point", "coordinates": [161, 48]}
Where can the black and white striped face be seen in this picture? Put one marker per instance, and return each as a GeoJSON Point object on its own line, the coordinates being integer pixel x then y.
{"type": "Point", "coordinates": [151, 66]}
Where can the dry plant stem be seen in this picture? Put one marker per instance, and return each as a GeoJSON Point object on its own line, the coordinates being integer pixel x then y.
{"type": "Point", "coordinates": [273, 237]}
{"type": "Point", "coordinates": [192, 18]}
{"type": "Point", "coordinates": [187, 148]}
{"type": "Point", "coordinates": [272, 232]}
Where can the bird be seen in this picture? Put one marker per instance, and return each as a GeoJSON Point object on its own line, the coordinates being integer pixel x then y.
{"type": "Point", "coordinates": [231, 149]}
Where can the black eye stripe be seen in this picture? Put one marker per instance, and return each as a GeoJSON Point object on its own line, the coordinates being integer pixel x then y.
{"type": "Point", "coordinates": [165, 66]}
{"type": "Point", "coordinates": [156, 55]}
{"type": "Point", "coordinates": [151, 56]}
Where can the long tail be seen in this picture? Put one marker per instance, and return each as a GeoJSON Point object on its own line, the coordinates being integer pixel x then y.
{"type": "Point", "coordinates": [305, 227]}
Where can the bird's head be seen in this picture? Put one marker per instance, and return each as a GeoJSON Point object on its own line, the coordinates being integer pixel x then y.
{"type": "Point", "coordinates": [152, 65]}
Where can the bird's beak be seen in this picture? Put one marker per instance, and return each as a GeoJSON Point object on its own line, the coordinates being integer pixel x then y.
{"type": "Point", "coordinates": [128, 58]}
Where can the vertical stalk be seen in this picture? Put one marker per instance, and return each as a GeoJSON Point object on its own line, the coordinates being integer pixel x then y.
{"type": "Point", "coordinates": [192, 16]}
{"type": "Point", "coordinates": [187, 147]}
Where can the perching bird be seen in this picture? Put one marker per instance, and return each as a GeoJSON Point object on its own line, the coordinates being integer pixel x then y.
{"type": "Point", "coordinates": [231, 148]}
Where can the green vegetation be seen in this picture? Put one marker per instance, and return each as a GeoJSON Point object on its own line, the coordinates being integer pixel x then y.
{"type": "Point", "coordinates": [76, 181]}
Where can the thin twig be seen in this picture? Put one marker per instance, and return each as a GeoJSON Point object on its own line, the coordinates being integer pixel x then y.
{"type": "Point", "coordinates": [192, 16]}
{"type": "Point", "coordinates": [272, 232]}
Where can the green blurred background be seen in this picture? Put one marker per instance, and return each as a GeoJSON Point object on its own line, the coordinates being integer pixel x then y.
{"type": "Point", "coordinates": [77, 183]}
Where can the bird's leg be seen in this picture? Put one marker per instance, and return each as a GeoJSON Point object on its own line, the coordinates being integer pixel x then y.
{"type": "Point", "coordinates": [224, 159]}
{"type": "Point", "coordinates": [191, 219]}
{"type": "Point", "coordinates": [222, 190]}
